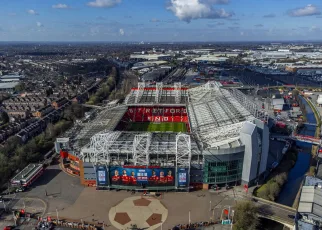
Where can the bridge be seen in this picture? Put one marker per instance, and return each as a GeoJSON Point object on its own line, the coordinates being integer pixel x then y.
{"type": "Point", "coordinates": [274, 211]}
{"type": "Point", "coordinates": [249, 87]}
{"type": "Point", "coordinates": [297, 137]}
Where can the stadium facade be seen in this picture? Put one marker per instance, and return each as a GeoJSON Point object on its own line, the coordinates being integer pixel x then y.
{"type": "Point", "coordinates": [171, 137]}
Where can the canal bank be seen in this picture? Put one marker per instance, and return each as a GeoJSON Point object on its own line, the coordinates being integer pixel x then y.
{"type": "Point", "coordinates": [296, 175]}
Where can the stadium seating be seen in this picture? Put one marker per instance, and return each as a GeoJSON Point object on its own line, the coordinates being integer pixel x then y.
{"type": "Point", "coordinates": [156, 114]}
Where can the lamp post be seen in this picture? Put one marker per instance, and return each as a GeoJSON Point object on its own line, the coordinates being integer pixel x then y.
{"type": "Point", "coordinates": [210, 206]}
{"type": "Point", "coordinates": [232, 219]}
{"type": "Point", "coordinates": [57, 215]}
{"type": "Point", "coordinates": [189, 218]}
{"type": "Point", "coordinates": [14, 217]}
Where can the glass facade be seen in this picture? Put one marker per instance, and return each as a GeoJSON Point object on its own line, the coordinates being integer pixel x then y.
{"type": "Point", "coordinates": [223, 172]}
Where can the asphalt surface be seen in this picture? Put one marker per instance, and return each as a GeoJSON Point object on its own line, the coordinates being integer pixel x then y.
{"type": "Point", "coordinates": [56, 188]}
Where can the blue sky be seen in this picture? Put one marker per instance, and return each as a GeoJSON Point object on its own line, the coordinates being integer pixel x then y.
{"type": "Point", "coordinates": [160, 20]}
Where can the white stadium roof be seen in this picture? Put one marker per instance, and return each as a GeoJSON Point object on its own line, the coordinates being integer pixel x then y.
{"type": "Point", "coordinates": [217, 116]}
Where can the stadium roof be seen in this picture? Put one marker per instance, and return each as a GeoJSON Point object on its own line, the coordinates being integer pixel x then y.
{"type": "Point", "coordinates": [217, 116]}
{"type": "Point", "coordinates": [163, 95]}
{"type": "Point", "coordinates": [105, 120]}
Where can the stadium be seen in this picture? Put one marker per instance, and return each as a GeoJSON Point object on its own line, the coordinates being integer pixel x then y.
{"type": "Point", "coordinates": [171, 138]}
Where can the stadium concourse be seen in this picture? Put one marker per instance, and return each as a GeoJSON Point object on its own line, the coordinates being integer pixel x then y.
{"type": "Point", "coordinates": [170, 138]}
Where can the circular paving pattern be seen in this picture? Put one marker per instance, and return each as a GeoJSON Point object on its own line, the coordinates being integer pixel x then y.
{"type": "Point", "coordinates": [145, 213]}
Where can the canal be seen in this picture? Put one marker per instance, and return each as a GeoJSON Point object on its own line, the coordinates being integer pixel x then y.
{"type": "Point", "coordinates": [296, 175]}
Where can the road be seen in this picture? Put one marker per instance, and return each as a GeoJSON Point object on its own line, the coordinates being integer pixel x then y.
{"type": "Point", "coordinates": [276, 211]}
{"type": "Point", "coordinates": [268, 209]}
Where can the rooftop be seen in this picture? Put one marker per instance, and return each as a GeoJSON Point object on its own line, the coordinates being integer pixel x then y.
{"type": "Point", "coordinates": [311, 200]}
{"type": "Point", "coordinates": [218, 115]}
{"type": "Point", "coordinates": [8, 85]}
{"type": "Point", "coordinates": [27, 171]}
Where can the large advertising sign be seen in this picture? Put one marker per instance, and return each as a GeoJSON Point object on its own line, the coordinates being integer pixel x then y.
{"type": "Point", "coordinates": [156, 114]}
{"type": "Point", "coordinates": [101, 173]}
{"type": "Point", "coordinates": [182, 177]}
{"type": "Point", "coordinates": [142, 176]}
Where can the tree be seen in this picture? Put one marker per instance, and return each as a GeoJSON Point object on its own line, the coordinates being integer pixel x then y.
{"type": "Point", "coordinates": [20, 87]}
{"type": "Point", "coordinates": [4, 117]}
{"type": "Point", "coordinates": [281, 179]}
{"type": "Point", "coordinates": [274, 190]}
{"type": "Point", "coordinates": [263, 192]}
{"type": "Point", "coordinates": [245, 216]}
{"type": "Point", "coordinates": [49, 92]}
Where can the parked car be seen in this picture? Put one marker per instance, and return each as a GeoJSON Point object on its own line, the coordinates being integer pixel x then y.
{"type": "Point", "coordinates": [21, 189]}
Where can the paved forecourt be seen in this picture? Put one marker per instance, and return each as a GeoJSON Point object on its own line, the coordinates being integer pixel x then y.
{"type": "Point", "coordinates": [145, 213]}
{"type": "Point", "coordinates": [97, 205]}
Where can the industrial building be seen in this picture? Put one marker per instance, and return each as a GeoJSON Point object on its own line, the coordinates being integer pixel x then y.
{"type": "Point", "coordinates": [223, 140]}
{"type": "Point", "coordinates": [310, 204]}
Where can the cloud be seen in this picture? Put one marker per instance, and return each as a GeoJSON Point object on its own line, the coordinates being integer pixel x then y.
{"type": "Point", "coordinates": [104, 3]}
{"type": "Point", "coordinates": [269, 16]}
{"type": "Point", "coordinates": [60, 6]}
{"type": "Point", "coordinates": [121, 32]}
{"type": "Point", "coordinates": [258, 25]}
{"type": "Point", "coordinates": [187, 10]}
{"type": "Point", "coordinates": [39, 24]}
{"type": "Point", "coordinates": [308, 10]}
{"type": "Point", "coordinates": [32, 12]}
{"type": "Point", "coordinates": [154, 20]}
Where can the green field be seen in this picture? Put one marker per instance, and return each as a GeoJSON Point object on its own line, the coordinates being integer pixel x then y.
{"type": "Point", "coordinates": [158, 127]}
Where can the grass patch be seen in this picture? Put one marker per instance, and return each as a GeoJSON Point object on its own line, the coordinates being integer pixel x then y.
{"type": "Point", "coordinates": [159, 127]}
{"type": "Point", "coordinates": [272, 188]}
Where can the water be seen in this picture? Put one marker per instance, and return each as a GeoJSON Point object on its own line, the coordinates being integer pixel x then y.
{"type": "Point", "coordinates": [294, 179]}
{"type": "Point", "coordinates": [309, 113]}
{"type": "Point", "coordinates": [296, 175]}
{"type": "Point", "coordinates": [266, 224]}
{"type": "Point", "coordinates": [308, 130]}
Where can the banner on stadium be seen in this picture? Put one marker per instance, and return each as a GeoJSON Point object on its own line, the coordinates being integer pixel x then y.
{"type": "Point", "coordinates": [157, 114]}
{"type": "Point", "coordinates": [142, 176]}
{"type": "Point", "coordinates": [183, 177]}
{"type": "Point", "coordinates": [101, 173]}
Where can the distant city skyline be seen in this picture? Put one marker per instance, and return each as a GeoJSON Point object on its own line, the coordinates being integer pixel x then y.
{"type": "Point", "coordinates": [160, 20]}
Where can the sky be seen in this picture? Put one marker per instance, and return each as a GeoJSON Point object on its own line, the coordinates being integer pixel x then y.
{"type": "Point", "coordinates": [160, 20]}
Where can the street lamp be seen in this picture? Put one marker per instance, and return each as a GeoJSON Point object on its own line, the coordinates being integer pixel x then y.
{"type": "Point", "coordinates": [57, 215]}
{"type": "Point", "coordinates": [232, 219]}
